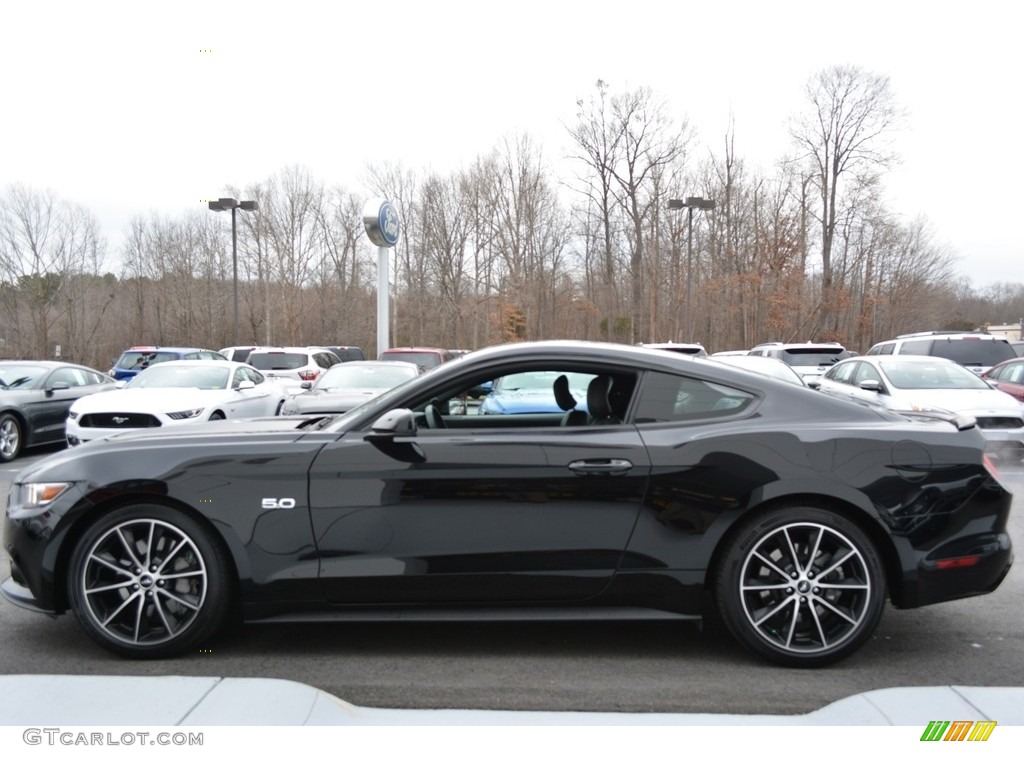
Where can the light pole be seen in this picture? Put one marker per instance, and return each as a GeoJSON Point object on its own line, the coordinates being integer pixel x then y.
{"type": "Point", "coordinates": [689, 204]}
{"type": "Point", "coordinates": [230, 204]}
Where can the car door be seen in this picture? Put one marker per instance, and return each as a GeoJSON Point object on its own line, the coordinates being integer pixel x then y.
{"type": "Point", "coordinates": [248, 401]}
{"type": "Point", "coordinates": [848, 381]}
{"type": "Point", "coordinates": [477, 515]}
{"type": "Point", "coordinates": [57, 391]}
{"type": "Point", "coordinates": [1009, 378]}
{"type": "Point", "coordinates": [839, 380]}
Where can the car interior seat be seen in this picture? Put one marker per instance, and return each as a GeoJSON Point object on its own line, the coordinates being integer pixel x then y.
{"type": "Point", "coordinates": [565, 400]}
{"type": "Point", "coordinates": [597, 401]}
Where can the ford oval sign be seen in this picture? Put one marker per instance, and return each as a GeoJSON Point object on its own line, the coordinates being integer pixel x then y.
{"type": "Point", "coordinates": [380, 218]}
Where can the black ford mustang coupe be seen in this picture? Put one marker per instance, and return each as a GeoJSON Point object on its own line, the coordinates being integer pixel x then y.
{"type": "Point", "coordinates": [680, 484]}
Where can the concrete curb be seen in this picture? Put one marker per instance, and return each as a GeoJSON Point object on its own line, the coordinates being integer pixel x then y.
{"type": "Point", "coordinates": [70, 700]}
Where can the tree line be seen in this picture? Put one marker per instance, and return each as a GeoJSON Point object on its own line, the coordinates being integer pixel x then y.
{"type": "Point", "coordinates": [514, 247]}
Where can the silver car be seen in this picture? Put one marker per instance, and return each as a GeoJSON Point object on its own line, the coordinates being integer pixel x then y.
{"type": "Point", "coordinates": [924, 383]}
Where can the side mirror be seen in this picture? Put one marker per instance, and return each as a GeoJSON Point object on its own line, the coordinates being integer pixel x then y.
{"type": "Point", "coordinates": [243, 385]}
{"type": "Point", "coordinates": [307, 385]}
{"type": "Point", "coordinates": [481, 390]}
{"type": "Point", "coordinates": [872, 385]}
{"type": "Point", "coordinates": [400, 422]}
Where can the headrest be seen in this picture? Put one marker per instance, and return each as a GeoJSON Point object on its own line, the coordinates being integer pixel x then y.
{"type": "Point", "coordinates": [563, 396]}
{"type": "Point", "coordinates": [597, 398]}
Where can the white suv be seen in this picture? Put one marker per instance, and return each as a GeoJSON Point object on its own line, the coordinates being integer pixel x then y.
{"type": "Point", "coordinates": [298, 363]}
{"type": "Point", "coordinates": [809, 359]}
{"type": "Point", "coordinates": [977, 352]}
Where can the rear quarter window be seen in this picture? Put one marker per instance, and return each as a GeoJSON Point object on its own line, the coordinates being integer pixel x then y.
{"type": "Point", "coordinates": [667, 397]}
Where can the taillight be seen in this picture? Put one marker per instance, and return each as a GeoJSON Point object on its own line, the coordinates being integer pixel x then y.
{"type": "Point", "coordinates": [957, 562]}
{"type": "Point", "coordinates": [991, 467]}
{"type": "Point", "coordinates": [308, 375]}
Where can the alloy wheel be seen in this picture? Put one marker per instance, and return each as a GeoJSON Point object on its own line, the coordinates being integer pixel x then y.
{"type": "Point", "coordinates": [806, 588]}
{"type": "Point", "coordinates": [143, 582]}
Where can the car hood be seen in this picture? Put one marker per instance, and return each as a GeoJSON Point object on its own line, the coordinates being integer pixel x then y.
{"type": "Point", "coordinates": [278, 428]}
{"type": "Point", "coordinates": [330, 399]}
{"type": "Point", "coordinates": [974, 402]}
{"type": "Point", "coordinates": [155, 400]}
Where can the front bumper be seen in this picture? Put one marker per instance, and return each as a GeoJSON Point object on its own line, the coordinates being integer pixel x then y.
{"type": "Point", "coordinates": [22, 597]}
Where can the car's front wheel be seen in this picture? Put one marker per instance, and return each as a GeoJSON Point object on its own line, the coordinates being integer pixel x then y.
{"type": "Point", "coordinates": [10, 437]}
{"type": "Point", "coordinates": [149, 582]}
{"type": "Point", "coordinates": [801, 586]}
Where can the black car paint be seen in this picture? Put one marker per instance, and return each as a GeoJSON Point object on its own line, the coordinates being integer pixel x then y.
{"type": "Point", "coordinates": [495, 518]}
{"type": "Point", "coordinates": [43, 411]}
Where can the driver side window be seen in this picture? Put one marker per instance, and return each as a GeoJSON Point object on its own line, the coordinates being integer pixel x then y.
{"type": "Point", "coordinates": [531, 397]}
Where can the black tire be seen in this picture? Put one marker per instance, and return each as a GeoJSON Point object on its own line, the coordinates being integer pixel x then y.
{"type": "Point", "coordinates": [280, 407]}
{"type": "Point", "coordinates": [801, 586]}
{"type": "Point", "coordinates": [10, 437]}
{"type": "Point", "coordinates": [117, 593]}
{"type": "Point", "coordinates": [216, 416]}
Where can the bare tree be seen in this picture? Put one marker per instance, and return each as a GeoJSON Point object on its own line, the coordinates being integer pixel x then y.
{"type": "Point", "coordinates": [843, 134]}
{"type": "Point", "coordinates": [44, 244]}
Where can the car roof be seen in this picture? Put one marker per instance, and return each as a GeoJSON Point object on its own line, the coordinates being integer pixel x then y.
{"type": "Point", "coordinates": [168, 349]}
{"type": "Point", "coordinates": [379, 364]}
{"type": "Point", "coordinates": [48, 364]}
{"type": "Point", "coordinates": [442, 350]}
{"type": "Point", "coordinates": [949, 334]}
{"type": "Point", "coordinates": [673, 345]}
{"type": "Point", "coordinates": [200, 363]}
{"type": "Point", "coordinates": [895, 359]}
{"type": "Point", "coordinates": [800, 345]}
{"type": "Point", "coordinates": [290, 350]}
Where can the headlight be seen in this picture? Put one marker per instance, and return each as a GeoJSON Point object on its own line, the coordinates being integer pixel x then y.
{"type": "Point", "coordinates": [38, 495]}
{"type": "Point", "coordinates": [189, 414]}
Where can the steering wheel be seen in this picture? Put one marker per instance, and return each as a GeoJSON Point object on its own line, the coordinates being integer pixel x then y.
{"type": "Point", "coordinates": [433, 417]}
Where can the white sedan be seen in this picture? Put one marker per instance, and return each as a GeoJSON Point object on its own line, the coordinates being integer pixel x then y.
{"type": "Point", "coordinates": [177, 392]}
{"type": "Point", "coordinates": [923, 383]}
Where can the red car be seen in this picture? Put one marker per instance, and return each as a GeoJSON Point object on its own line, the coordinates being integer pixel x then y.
{"type": "Point", "coordinates": [1007, 377]}
{"type": "Point", "coordinates": [425, 357]}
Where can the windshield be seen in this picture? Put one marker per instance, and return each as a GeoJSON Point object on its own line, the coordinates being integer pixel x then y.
{"type": "Point", "coordinates": [349, 376]}
{"type": "Point", "coordinates": [136, 360]}
{"type": "Point", "coordinates": [812, 356]}
{"type": "Point", "coordinates": [278, 361]}
{"type": "Point", "coordinates": [167, 375]}
{"type": "Point", "coordinates": [20, 376]}
{"type": "Point", "coordinates": [968, 351]}
{"type": "Point", "coordinates": [425, 359]}
{"type": "Point", "coordinates": [930, 374]}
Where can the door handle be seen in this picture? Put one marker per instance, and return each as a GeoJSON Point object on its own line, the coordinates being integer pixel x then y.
{"type": "Point", "coordinates": [600, 466]}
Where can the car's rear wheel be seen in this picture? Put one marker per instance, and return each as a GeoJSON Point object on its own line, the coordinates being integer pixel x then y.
{"type": "Point", "coordinates": [10, 437]}
{"type": "Point", "coordinates": [149, 582]}
{"type": "Point", "coordinates": [801, 586]}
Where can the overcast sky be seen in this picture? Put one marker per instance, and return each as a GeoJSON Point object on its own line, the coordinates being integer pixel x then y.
{"type": "Point", "coordinates": [133, 107]}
